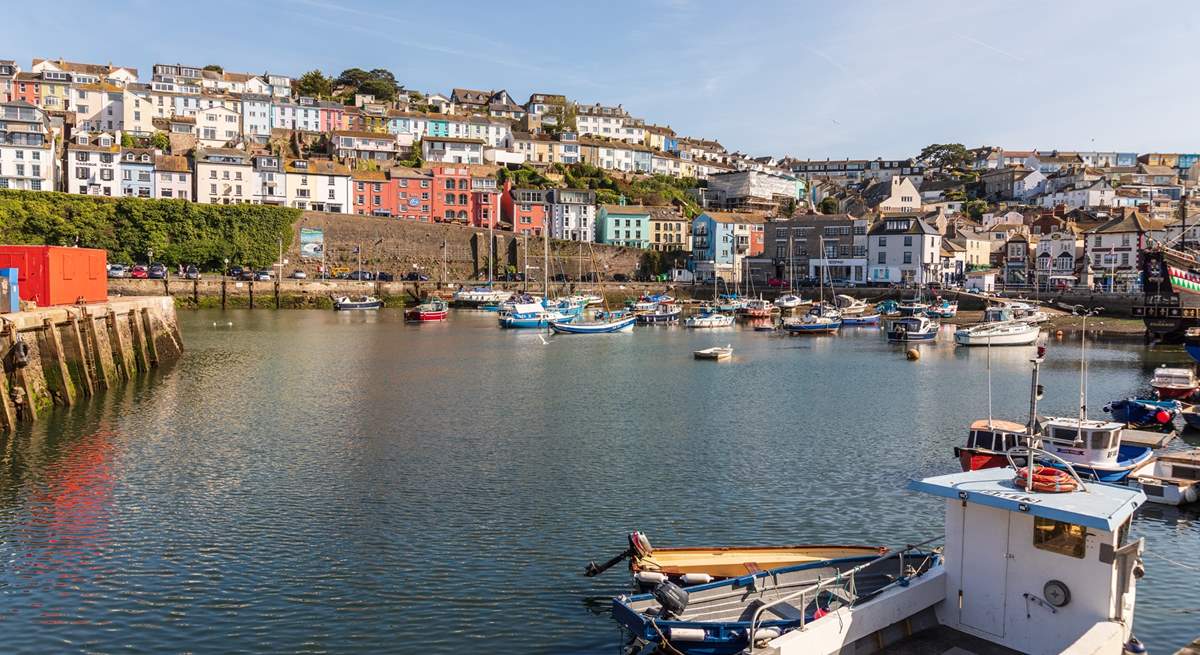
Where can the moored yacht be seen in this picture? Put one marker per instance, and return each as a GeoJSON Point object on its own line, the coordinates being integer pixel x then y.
{"type": "Point", "coordinates": [1004, 333]}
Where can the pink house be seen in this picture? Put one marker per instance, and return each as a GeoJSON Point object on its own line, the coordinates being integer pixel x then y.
{"type": "Point", "coordinates": [332, 116]}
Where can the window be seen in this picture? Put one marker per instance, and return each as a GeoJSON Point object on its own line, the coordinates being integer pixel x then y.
{"type": "Point", "coordinates": [907, 257]}
{"type": "Point", "coordinates": [449, 184]}
{"type": "Point", "coordinates": [212, 188]}
{"type": "Point", "coordinates": [449, 198]}
{"type": "Point", "coordinates": [882, 242]}
{"type": "Point", "coordinates": [1059, 537]}
{"type": "Point", "coordinates": [882, 258]}
{"type": "Point", "coordinates": [907, 241]}
{"type": "Point", "coordinates": [106, 174]}
{"type": "Point", "coordinates": [81, 173]}
{"type": "Point", "coordinates": [377, 200]}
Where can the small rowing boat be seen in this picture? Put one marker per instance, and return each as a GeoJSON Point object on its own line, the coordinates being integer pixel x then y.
{"type": "Point", "coordinates": [594, 327]}
{"type": "Point", "coordinates": [1170, 479]}
{"type": "Point", "coordinates": [789, 301]}
{"type": "Point", "coordinates": [346, 303]}
{"type": "Point", "coordinates": [1174, 383]}
{"type": "Point", "coordinates": [715, 353]}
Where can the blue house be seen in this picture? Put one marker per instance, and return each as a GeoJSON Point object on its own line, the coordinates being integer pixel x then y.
{"type": "Point", "coordinates": [137, 172]}
{"type": "Point", "coordinates": [623, 225]}
{"type": "Point", "coordinates": [720, 241]}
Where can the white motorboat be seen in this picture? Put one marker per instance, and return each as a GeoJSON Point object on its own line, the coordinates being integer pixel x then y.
{"type": "Point", "coordinates": [716, 352]}
{"type": "Point", "coordinates": [711, 320]}
{"type": "Point", "coordinates": [1004, 333]}
{"type": "Point", "coordinates": [1040, 564]}
{"type": "Point", "coordinates": [1170, 479]}
{"type": "Point", "coordinates": [1175, 382]}
{"type": "Point", "coordinates": [789, 301]}
{"type": "Point", "coordinates": [480, 296]}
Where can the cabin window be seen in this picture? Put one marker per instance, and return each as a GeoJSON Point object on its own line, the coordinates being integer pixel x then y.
{"type": "Point", "coordinates": [1064, 434]}
{"type": "Point", "coordinates": [1059, 537]}
{"type": "Point", "coordinates": [1185, 472]}
{"type": "Point", "coordinates": [1102, 440]}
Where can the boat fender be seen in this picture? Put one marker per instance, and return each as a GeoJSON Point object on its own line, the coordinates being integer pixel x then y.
{"type": "Point", "coordinates": [1139, 569]}
{"type": "Point", "coordinates": [819, 612]}
{"type": "Point", "coordinates": [640, 544]}
{"type": "Point", "coordinates": [19, 353]}
{"type": "Point", "coordinates": [696, 578]}
{"type": "Point", "coordinates": [1162, 416]}
{"type": "Point", "coordinates": [913, 354]}
{"type": "Point", "coordinates": [1134, 647]}
{"type": "Point", "coordinates": [766, 634]}
{"type": "Point", "coordinates": [650, 577]}
{"type": "Point", "coordinates": [686, 634]}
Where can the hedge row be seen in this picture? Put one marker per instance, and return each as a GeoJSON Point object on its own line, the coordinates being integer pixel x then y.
{"type": "Point", "coordinates": [177, 231]}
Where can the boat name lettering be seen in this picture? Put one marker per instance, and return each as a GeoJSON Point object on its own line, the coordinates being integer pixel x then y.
{"type": "Point", "coordinates": [1008, 495]}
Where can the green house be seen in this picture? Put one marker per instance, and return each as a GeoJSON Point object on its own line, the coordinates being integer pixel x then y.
{"type": "Point", "coordinates": [623, 225]}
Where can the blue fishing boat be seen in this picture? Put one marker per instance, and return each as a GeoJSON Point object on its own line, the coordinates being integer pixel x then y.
{"type": "Point", "coordinates": [1092, 448]}
{"type": "Point", "coordinates": [888, 308]}
{"type": "Point", "coordinates": [662, 313]}
{"type": "Point", "coordinates": [345, 303]}
{"type": "Point", "coordinates": [1191, 343]}
{"type": "Point", "coordinates": [1144, 413]}
{"type": "Point", "coordinates": [943, 309]}
{"type": "Point", "coordinates": [596, 327]}
{"type": "Point", "coordinates": [532, 316]}
{"type": "Point", "coordinates": [821, 319]}
{"type": "Point", "coordinates": [911, 328]}
{"type": "Point", "coordinates": [730, 303]}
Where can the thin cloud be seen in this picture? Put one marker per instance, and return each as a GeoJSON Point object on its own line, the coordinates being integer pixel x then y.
{"type": "Point", "coordinates": [991, 47]}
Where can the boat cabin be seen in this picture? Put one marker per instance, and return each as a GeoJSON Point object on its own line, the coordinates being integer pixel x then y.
{"type": "Point", "coordinates": [1090, 443]}
{"type": "Point", "coordinates": [988, 441]}
{"type": "Point", "coordinates": [1171, 479]}
{"type": "Point", "coordinates": [1037, 572]}
{"type": "Point", "coordinates": [997, 314]}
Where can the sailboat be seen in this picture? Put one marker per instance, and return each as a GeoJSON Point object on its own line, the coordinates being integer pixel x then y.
{"type": "Point", "coordinates": [789, 300]}
{"type": "Point", "coordinates": [603, 322]}
{"type": "Point", "coordinates": [823, 318]}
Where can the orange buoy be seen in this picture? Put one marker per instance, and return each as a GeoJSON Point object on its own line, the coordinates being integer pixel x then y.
{"type": "Point", "coordinates": [913, 354]}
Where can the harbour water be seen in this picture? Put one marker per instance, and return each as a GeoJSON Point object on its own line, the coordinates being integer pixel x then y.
{"type": "Point", "coordinates": [330, 482]}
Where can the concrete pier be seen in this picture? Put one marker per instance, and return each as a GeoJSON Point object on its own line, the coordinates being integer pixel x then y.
{"type": "Point", "coordinates": [64, 355]}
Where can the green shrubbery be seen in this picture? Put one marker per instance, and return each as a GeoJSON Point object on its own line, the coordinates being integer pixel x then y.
{"type": "Point", "coordinates": [178, 232]}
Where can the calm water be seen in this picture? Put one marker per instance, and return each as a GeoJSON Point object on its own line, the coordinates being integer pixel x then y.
{"type": "Point", "coordinates": [312, 481]}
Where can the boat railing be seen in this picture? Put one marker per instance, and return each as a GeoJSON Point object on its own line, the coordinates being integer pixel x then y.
{"type": "Point", "coordinates": [1031, 452]}
{"type": "Point", "coordinates": [846, 579]}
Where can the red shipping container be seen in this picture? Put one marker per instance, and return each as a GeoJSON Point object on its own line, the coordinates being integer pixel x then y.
{"type": "Point", "coordinates": [54, 275]}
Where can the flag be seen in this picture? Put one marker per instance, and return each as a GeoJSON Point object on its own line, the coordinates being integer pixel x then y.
{"type": "Point", "coordinates": [356, 250]}
{"type": "Point", "coordinates": [1183, 281]}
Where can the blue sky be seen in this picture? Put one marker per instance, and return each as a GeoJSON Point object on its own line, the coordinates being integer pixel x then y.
{"type": "Point", "coordinates": [809, 79]}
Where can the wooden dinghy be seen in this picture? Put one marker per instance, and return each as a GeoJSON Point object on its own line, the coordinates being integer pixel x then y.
{"type": "Point", "coordinates": [704, 564]}
{"type": "Point", "coordinates": [715, 353]}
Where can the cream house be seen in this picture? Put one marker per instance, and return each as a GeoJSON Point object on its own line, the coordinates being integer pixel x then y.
{"type": "Point", "coordinates": [218, 126]}
{"type": "Point", "coordinates": [898, 194]}
{"type": "Point", "coordinates": [318, 185]}
{"type": "Point", "coordinates": [224, 176]}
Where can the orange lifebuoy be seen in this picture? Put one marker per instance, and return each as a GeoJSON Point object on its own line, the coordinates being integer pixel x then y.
{"type": "Point", "coordinates": [1046, 479]}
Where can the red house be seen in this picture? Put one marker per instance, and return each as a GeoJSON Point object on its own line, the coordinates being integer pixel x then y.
{"type": "Point", "coordinates": [523, 209]}
{"type": "Point", "coordinates": [413, 190]}
{"type": "Point", "coordinates": [372, 194]}
{"type": "Point", "coordinates": [452, 200]}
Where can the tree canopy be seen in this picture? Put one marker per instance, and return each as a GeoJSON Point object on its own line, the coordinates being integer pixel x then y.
{"type": "Point", "coordinates": [378, 82]}
{"type": "Point", "coordinates": [315, 84]}
{"type": "Point", "coordinates": [945, 155]}
{"type": "Point", "coordinates": [828, 205]}
{"type": "Point", "coordinates": [215, 68]}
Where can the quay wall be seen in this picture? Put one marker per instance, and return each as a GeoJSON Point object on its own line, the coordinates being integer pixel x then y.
{"type": "Point", "coordinates": [64, 355]}
{"type": "Point", "coordinates": [445, 251]}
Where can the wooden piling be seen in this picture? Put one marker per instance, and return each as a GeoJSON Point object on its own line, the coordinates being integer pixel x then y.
{"type": "Point", "coordinates": [104, 371]}
{"type": "Point", "coordinates": [86, 377]}
{"type": "Point", "coordinates": [148, 334]}
{"type": "Point", "coordinates": [142, 360]}
{"type": "Point", "coordinates": [224, 280]}
{"type": "Point", "coordinates": [8, 411]}
{"type": "Point", "coordinates": [251, 294]}
{"type": "Point", "coordinates": [59, 369]}
{"type": "Point", "coordinates": [125, 357]}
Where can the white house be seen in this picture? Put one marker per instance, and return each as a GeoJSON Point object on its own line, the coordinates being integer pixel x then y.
{"type": "Point", "coordinates": [1028, 183]}
{"type": "Point", "coordinates": [172, 177]}
{"type": "Point", "coordinates": [217, 126]}
{"type": "Point", "coordinates": [269, 186]}
{"type": "Point", "coordinates": [318, 185]}
{"type": "Point", "coordinates": [898, 194]}
{"type": "Point", "coordinates": [296, 115]}
{"type": "Point", "coordinates": [1056, 256]}
{"type": "Point", "coordinates": [903, 248]}
{"type": "Point", "coordinates": [27, 153]}
{"type": "Point", "coordinates": [92, 162]}
{"type": "Point", "coordinates": [1113, 246]}
{"type": "Point", "coordinates": [256, 117]}
{"type": "Point", "coordinates": [98, 106]}
{"type": "Point", "coordinates": [1085, 195]}
{"type": "Point", "coordinates": [450, 150]}
{"type": "Point", "coordinates": [572, 214]}
{"type": "Point", "coordinates": [140, 109]}
{"type": "Point", "coordinates": [224, 176]}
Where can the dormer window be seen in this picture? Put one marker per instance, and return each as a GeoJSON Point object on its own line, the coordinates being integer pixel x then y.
{"type": "Point", "coordinates": [81, 140]}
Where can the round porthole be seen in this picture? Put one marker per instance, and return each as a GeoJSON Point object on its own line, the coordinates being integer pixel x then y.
{"type": "Point", "coordinates": [1056, 593]}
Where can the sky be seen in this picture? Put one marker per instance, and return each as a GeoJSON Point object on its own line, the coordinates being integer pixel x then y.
{"type": "Point", "coordinates": [807, 79]}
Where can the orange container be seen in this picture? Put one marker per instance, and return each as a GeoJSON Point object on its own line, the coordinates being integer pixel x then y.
{"type": "Point", "coordinates": [53, 275]}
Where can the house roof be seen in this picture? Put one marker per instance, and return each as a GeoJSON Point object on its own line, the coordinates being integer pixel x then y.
{"type": "Point", "coordinates": [664, 213]}
{"type": "Point", "coordinates": [369, 176]}
{"type": "Point", "coordinates": [316, 167]}
{"type": "Point", "coordinates": [364, 134]}
{"type": "Point", "coordinates": [91, 69]}
{"type": "Point", "coordinates": [451, 139]}
{"type": "Point", "coordinates": [171, 163]}
{"type": "Point", "coordinates": [1130, 220]}
{"type": "Point", "coordinates": [736, 217]}
{"type": "Point", "coordinates": [408, 173]}
{"type": "Point", "coordinates": [914, 226]}
{"type": "Point", "coordinates": [626, 210]}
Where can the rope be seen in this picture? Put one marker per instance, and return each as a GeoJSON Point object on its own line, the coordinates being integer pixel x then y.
{"type": "Point", "coordinates": [1179, 564]}
{"type": "Point", "coordinates": [662, 640]}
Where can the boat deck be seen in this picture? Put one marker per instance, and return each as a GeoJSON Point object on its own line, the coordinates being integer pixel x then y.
{"type": "Point", "coordinates": [941, 640]}
{"type": "Point", "coordinates": [1147, 438]}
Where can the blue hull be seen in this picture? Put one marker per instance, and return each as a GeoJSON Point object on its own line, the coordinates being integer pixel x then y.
{"type": "Point", "coordinates": [904, 337]}
{"type": "Point", "coordinates": [1193, 350]}
{"type": "Point", "coordinates": [873, 319]}
{"type": "Point", "coordinates": [658, 318]}
{"type": "Point", "coordinates": [516, 323]}
{"type": "Point", "coordinates": [607, 328]}
{"type": "Point", "coordinates": [813, 328]}
{"type": "Point", "coordinates": [1141, 412]}
{"type": "Point", "coordinates": [1129, 457]}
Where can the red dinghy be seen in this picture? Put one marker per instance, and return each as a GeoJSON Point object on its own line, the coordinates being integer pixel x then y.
{"type": "Point", "coordinates": [435, 310]}
{"type": "Point", "coordinates": [1171, 383]}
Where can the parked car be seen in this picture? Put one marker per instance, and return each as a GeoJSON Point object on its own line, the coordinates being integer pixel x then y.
{"type": "Point", "coordinates": [262, 275]}
{"type": "Point", "coordinates": [384, 276]}
{"type": "Point", "coordinates": [620, 277]}
{"type": "Point", "coordinates": [117, 271]}
{"type": "Point", "coordinates": [298, 275]}
{"type": "Point", "coordinates": [590, 277]}
{"type": "Point", "coordinates": [362, 276]}
{"type": "Point", "coordinates": [247, 274]}
{"type": "Point", "coordinates": [191, 272]}
{"type": "Point", "coordinates": [776, 283]}
{"type": "Point", "coordinates": [414, 276]}
{"type": "Point", "coordinates": [235, 272]}
{"type": "Point", "coordinates": [561, 277]}
{"type": "Point", "coordinates": [156, 272]}
{"type": "Point", "coordinates": [843, 282]}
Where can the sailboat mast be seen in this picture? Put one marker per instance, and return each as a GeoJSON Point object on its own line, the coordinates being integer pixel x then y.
{"type": "Point", "coordinates": [546, 264]}
{"type": "Point", "coordinates": [989, 370]}
{"type": "Point", "coordinates": [1082, 373]}
{"type": "Point", "coordinates": [1033, 397]}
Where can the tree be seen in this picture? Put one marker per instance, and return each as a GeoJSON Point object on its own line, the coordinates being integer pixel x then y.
{"type": "Point", "coordinates": [788, 208]}
{"type": "Point", "coordinates": [945, 155]}
{"type": "Point", "coordinates": [214, 68]}
{"type": "Point", "coordinates": [314, 84]}
{"type": "Point", "coordinates": [352, 77]}
{"type": "Point", "coordinates": [161, 141]}
{"type": "Point", "coordinates": [829, 205]}
{"type": "Point", "coordinates": [382, 89]}
{"type": "Point", "coordinates": [127, 140]}
{"type": "Point", "coordinates": [652, 263]}
{"type": "Point", "coordinates": [975, 208]}
{"type": "Point", "coordinates": [414, 156]}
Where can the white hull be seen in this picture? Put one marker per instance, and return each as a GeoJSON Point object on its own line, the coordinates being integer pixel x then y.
{"type": "Point", "coordinates": [1016, 334]}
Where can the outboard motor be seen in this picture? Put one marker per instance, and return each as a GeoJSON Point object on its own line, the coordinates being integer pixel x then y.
{"type": "Point", "coordinates": [672, 598]}
{"type": "Point", "coordinates": [639, 546]}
